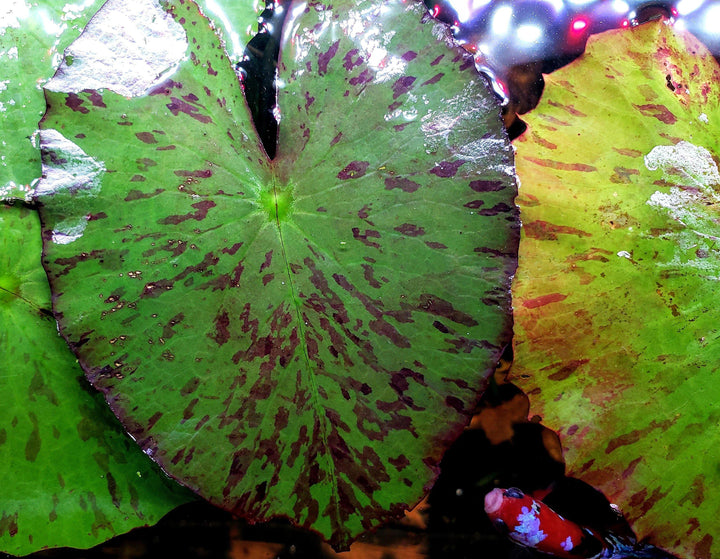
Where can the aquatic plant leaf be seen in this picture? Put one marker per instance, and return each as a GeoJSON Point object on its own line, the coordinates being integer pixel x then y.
{"type": "Point", "coordinates": [300, 337]}
{"type": "Point", "coordinates": [616, 294]}
{"type": "Point", "coordinates": [31, 40]}
{"type": "Point", "coordinates": [71, 476]}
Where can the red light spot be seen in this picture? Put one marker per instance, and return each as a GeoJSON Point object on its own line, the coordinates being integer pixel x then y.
{"type": "Point", "coordinates": [674, 11]}
{"type": "Point", "coordinates": [436, 10]}
{"type": "Point", "coordinates": [625, 23]}
{"type": "Point", "coordinates": [502, 86]}
{"type": "Point", "coordinates": [579, 24]}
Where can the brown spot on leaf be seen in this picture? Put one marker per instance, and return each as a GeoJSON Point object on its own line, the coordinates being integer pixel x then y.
{"type": "Point", "coordinates": [703, 549]}
{"type": "Point", "coordinates": [325, 57]}
{"type": "Point", "coordinates": [660, 112]}
{"type": "Point", "coordinates": [139, 195]}
{"type": "Point", "coordinates": [446, 169]}
{"type": "Point", "coordinates": [202, 209]}
{"type": "Point", "coordinates": [198, 174]}
{"type": "Point", "coordinates": [9, 524]}
{"type": "Point", "coordinates": [402, 85]}
{"type": "Point", "coordinates": [628, 152]}
{"type": "Point", "coordinates": [499, 208]}
{"type": "Point", "coordinates": [156, 288]}
{"type": "Point", "coordinates": [74, 102]}
{"type": "Point", "coordinates": [95, 98]}
{"type": "Point", "coordinates": [544, 231]}
{"type": "Point", "coordinates": [696, 493]}
{"type": "Point", "coordinates": [165, 88]}
{"type": "Point", "coordinates": [567, 369]}
{"type": "Point", "coordinates": [32, 446]}
{"type": "Point", "coordinates": [352, 59]}
{"type": "Point", "coordinates": [177, 106]}
{"type": "Point", "coordinates": [222, 331]}
{"type": "Point", "coordinates": [543, 300]}
{"type": "Point", "coordinates": [406, 185]}
{"type": "Point", "coordinates": [436, 78]}
{"type": "Point", "coordinates": [410, 230]}
{"type": "Point", "coordinates": [636, 434]}
{"type": "Point", "coordinates": [486, 186]}
{"type": "Point", "coordinates": [622, 175]}
{"type": "Point", "coordinates": [267, 262]}
{"type": "Point", "coordinates": [364, 237]}
{"type": "Point", "coordinates": [439, 307]}
{"type": "Point", "coordinates": [146, 137]}
{"type": "Point", "coordinates": [353, 170]}
{"type": "Point", "coordinates": [366, 76]}
{"type": "Point", "coordinates": [561, 166]}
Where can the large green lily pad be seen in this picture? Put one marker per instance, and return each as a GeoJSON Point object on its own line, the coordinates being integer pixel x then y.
{"type": "Point", "coordinates": [71, 476]}
{"type": "Point", "coordinates": [300, 337]}
{"type": "Point", "coordinates": [616, 293]}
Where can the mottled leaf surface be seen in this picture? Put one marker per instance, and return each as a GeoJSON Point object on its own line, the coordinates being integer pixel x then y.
{"type": "Point", "coordinates": [300, 337]}
{"type": "Point", "coordinates": [70, 475]}
{"type": "Point", "coordinates": [32, 39]}
{"type": "Point", "coordinates": [616, 294]}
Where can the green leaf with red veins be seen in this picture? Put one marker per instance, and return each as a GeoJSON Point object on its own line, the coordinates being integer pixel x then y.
{"type": "Point", "coordinates": [300, 337]}
{"type": "Point", "coordinates": [70, 475]}
{"type": "Point", "coordinates": [615, 312]}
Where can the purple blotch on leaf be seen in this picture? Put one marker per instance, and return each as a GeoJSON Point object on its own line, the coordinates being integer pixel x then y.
{"type": "Point", "coordinates": [325, 57]}
{"type": "Point", "coordinates": [353, 170]}
{"type": "Point", "coordinates": [406, 185]}
{"type": "Point", "coordinates": [410, 230]}
{"type": "Point", "coordinates": [402, 85]}
{"type": "Point", "coordinates": [146, 137]}
{"type": "Point", "coordinates": [447, 169]}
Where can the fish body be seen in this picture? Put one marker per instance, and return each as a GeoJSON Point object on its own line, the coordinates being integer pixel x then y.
{"type": "Point", "coordinates": [533, 524]}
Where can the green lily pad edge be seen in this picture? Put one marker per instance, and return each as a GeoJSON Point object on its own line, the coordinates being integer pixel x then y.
{"type": "Point", "coordinates": [327, 388]}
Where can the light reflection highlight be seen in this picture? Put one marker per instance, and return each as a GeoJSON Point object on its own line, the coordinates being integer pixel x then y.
{"type": "Point", "coordinates": [504, 35]}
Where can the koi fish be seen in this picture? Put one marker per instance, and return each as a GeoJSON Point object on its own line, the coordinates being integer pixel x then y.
{"type": "Point", "coordinates": [533, 524]}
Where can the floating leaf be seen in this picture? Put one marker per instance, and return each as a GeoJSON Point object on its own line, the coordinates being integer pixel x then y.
{"type": "Point", "coordinates": [300, 337]}
{"type": "Point", "coordinates": [71, 477]}
{"type": "Point", "coordinates": [615, 300]}
{"type": "Point", "coordinates": [31, 39]}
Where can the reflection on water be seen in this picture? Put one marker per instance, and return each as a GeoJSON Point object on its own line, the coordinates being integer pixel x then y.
{"type": "Point", "coordinates": [515, 42]}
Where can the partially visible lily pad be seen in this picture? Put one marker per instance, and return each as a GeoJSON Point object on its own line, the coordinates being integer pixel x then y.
{"type": "Point", "coordinates": [301, 337]}
{"type": "Point", "coordinates": [70, 475]}
{"type": "Point", "coordinates": [616, 307]}
{"type": "Point", "coordinates": [33, 36]}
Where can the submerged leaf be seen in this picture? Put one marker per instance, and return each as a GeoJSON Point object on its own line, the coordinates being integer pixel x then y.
{"type": "Point", "coordinates": [616, 314]}
{"type": "Point", "coordinates": [70, 476]}
{"type": "Point", "coordinates": [300, 337]}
